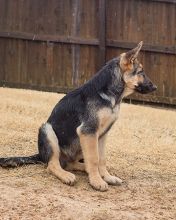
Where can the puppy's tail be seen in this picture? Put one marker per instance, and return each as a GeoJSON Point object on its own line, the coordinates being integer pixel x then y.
{"type": "Point", "coordinates": [19, 161]}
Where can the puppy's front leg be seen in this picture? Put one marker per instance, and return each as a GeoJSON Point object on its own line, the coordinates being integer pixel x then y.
{"type": "Point", "coordinates": [89, 144]}
{"type": "Point", "coordinates": [113, 180]}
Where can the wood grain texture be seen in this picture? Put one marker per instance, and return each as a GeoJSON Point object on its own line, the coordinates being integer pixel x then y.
{"type": "Point", "coordinates": [58, 45]}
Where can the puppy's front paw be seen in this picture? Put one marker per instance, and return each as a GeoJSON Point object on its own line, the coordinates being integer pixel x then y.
{"type": "Point", "coordinates": [68, 178]}
{"type": "Point", "coordinates": [112, 180]}
{"type": "Point", "coordinates": [98, 183]}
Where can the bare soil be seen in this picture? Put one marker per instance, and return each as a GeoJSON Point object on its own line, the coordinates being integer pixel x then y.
{"type": "Point", "coordinates": [141, 149]}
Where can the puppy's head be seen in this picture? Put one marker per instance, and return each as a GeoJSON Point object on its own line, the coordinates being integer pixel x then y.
{"type": "Point", "coordinates": [133, 72]}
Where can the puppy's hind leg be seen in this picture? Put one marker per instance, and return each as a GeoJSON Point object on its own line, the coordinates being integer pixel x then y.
{"type": "Point", "coordinates": [76, 165]}
{"type": "Point", "coordinates": [53, 162]}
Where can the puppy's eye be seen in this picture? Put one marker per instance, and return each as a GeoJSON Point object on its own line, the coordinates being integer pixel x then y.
{"type": "Point", "coordinates": [140, 72]}
{"type": "Point", "coordinates": [134, 73]}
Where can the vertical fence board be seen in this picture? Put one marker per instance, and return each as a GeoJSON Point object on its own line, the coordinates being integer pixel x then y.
{"type": "Point", "coordinates": [102, 32]}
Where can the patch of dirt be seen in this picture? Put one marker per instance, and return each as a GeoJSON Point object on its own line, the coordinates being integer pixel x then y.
{"type": "Point", "coordinates": [141, 149]}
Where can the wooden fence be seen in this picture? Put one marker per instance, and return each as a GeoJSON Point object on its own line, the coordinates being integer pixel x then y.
{"type": "Point", "coordinates": [56, 45]}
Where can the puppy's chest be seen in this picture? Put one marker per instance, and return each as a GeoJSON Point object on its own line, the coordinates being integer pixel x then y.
{"type": "Point", "coordinates": [106, 118]}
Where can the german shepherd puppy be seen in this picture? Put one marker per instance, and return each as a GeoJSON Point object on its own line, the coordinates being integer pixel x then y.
{"type": "Point", "coordinates": [73, 138]}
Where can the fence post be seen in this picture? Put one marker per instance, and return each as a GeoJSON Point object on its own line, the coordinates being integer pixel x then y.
{"type": "Point", "coordinates": [102, 32]}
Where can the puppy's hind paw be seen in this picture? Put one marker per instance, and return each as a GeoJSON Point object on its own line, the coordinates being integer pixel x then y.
{"type": "Point", "coordinates": [112, 180]}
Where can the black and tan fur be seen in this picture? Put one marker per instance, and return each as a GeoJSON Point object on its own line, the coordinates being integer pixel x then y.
{"type": "Point", "coordinates": [74, 136]}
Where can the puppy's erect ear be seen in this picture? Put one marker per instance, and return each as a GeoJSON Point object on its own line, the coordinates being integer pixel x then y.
{"type": "Point", "coordinates": [132, 54]}
{"type": "Point", "coordinates": [129, 57]}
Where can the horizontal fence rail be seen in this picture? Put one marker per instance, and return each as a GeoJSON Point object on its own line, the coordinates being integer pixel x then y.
{"type": "Point", "coordinates": [82, 41]}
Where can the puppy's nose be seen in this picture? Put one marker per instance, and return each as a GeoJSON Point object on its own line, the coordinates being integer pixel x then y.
{"type": "Point", "coordinates": [154, 87]}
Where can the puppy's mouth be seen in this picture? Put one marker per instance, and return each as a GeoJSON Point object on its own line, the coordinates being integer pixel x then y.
{"type": "Point", "coordinates": [144, 89]}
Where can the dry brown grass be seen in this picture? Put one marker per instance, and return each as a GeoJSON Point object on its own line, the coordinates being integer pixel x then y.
{"type": "Point", "coordinates": [141, 150]}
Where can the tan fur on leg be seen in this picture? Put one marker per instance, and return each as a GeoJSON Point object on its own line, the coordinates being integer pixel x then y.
{"type": "Point", "coordinates": [76, 165]}
{"type": "Point", "coordinates": [89, 144]}
{"type": "Point", "coordinates": [113, 180]}
{"type": "Point", "coordinates": [54, 165]}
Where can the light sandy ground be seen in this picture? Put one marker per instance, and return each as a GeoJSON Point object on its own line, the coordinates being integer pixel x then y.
{"type": "Point", "coordinates": [141, 150]}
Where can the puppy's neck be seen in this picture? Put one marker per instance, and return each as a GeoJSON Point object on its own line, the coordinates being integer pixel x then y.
{"type": "Point", "coordinates": [117, 87]}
